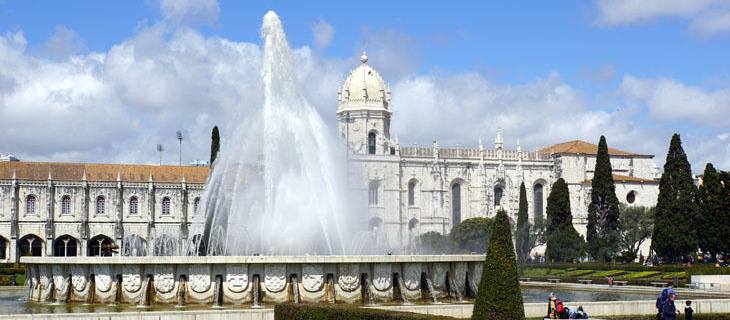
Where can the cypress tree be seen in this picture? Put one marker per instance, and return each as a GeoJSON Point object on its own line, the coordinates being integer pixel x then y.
{"type": "Point", "coordinates": [603, 211]}
{"type": "Point", "coordinates": [674, 236]}
{"type": "Point", "coordinates": [725, 178]}
{"type": "Point", "coordinates": [215, 145]}
{"type": "Point", "coordinates": [564, 244]}
{"type": "Point", "coordinates": [522, 238]}
{"type": "Point", "coordinates": [499, 295]}
{"type": "Point", "coordinates": [711, 220]}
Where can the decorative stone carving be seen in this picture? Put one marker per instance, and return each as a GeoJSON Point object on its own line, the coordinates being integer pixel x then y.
{"type": "Point", "coordinates": [313, 277]}
{"type": "Point", "coordinates": [131, 279]}
{"type": "Point", "coordinates": [459, 274]}
{"type": "Point", "coordinates": [102, 277]}
{"type": "Point", "coordinates": [45, 279]}
{"type": "Point", "coordinates": [275, 278]}
{"type": "Point", "coordinates": [78, 277]}
{"type": "Point", "coordinates": [58, 278]}
{"type": "Point", "coordinates": [382, 276]}
{"type": "Point", "coordinates": [237, 278]}
{"type": "Point", "coordinates": [412, 276]}
{"type": "Point", "coordinates": [199, 278]}
{"type": "Point", "coordinates": [349, 277]}
{"type": "Point", "coordinates": [438, 274]}
{"type": "Point", "coordinates": [164, 278]}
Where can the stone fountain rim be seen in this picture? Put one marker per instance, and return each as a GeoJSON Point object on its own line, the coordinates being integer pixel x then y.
{"type": "Point", "coordinates": [119, 260]}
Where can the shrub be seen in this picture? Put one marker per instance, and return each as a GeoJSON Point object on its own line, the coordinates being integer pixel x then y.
{"type": "Point", "coordinates": [289, 311]}
{"type": "Point", "coordinates": [499, 295]}
{"type": "Point", "coordinates": [470, 234]}
{"type": "Point", "coordinates": [433, 242]}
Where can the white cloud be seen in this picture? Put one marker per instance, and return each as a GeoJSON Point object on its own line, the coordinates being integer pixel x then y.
{"type": "Point", "coordinates": [190, 11]}
{"type": "Point", "coordinates": [64, 42]}
{"type": "Point", "coordinates": [706, 17]}
{"type": "Point", "coordinates": [323, 33]}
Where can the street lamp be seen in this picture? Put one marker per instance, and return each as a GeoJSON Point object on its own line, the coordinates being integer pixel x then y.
{"type": "Point", "coordinates": [180, 139]}
{"type": "Point", "coordinates": [159, 150]}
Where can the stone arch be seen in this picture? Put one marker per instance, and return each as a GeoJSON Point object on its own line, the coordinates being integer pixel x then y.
{"type": "Point", "coordinates": [134, 245]}
{"type": "Point", "coordinates": [100, 246]}
{"type": "Point", "coordinates": [499, 191]}
{"type": "Point", "coordinates": [65, 246]}
{"type": "Point", "coordinates": [372, 141]}
{"type": "Point", "coordinates": [412, 224]}
{"type": "Point", "coordinates": [165, 245]}
{"type": "Point", "coordinates": [632, 196]}
{"type": "Point", "coordinates": [413, 188]}
{"type": "Point", "coordinates": [539, 198]}
{"type": "Point", "coordinates": [375, 223]}
{"type": "Point", "coordinates": [30, 245]}
{"type": "Point", "coordinates": [4, 248]}
{"type": "Point", "coordinates": [457, 193]}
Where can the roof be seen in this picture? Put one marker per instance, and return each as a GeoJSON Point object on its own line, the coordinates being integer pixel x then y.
{"type": "Point", "coordinates": [627, 179]}
{"type": "Point", "coordinates": [363, 86]}
{"type": "Point", "coordinates": [581, 147]}
{"type": "Point", "coordinates": [102, 172]}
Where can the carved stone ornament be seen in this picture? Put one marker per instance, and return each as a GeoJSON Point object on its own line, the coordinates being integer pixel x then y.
{"type": "Point", "coordinates": [131, 279]}
{"type": "Point", "coordinates": [237, 278]}
{"type": "Point", "coordinates": [438, 276]}
{"type": "Point", "coordinates": [102, 277]}
{"type": "Point", "coordinates": [58, 278]}
{"type": "Point", "coordinates": [382, 277]}
{"type": "Point", "coordinates": [412, 276]}
{"type": "Point", "coordinates": [460, 269]}
{"type": "Point", "coordinates": [349, 277]}
{"type": "Point", "coordinates": [45, 279]}
{"type": "Point", "coordinates": [78, 277]}
{"type": "Point", "coordinates": [313, 277]}
{"type": "Point", "coordinates": [164, 278]}
{"type": "Point", "coordinates": [199, 278]}
{"type": "Point", "coordinates": [275, 278]}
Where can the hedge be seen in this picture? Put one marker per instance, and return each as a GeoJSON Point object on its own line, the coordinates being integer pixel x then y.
{"type": "Point", "coordinates": [695, 316]}
{"type": "Point", "coordinates": [614, 266]}
{"type": "Point", "coordinates": [290, 311]}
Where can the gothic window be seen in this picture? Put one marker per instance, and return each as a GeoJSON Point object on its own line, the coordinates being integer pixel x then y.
{"type": "Point", "coordinates": [375, 224]}
{"type": "Point", "coordinates": [498, 193]}
{"type": "Point", "coordinates": [65, 246]}
{"type": "Point", "coordinates": [456, 203]}
{"type": "Point", "coordinates": [412, 224]}
{"type": "Point", "coordinates": [196, 204]}
{"type": "Point", "coordinates": [100, 246]}
{"type": "Point", "coordinates": [3, 248]}
{"type": "Point", "coordinates": [100, 205]}
{"type": "Point", "coordinates": [412, 193]}
{"type": "Point", "coordinates": [66, 204]}
{"type": "Point", "coordinates": [30, 204]}
{"type": "Point", "coordinates": [631, 197]}
{"type": "Point", "coordinates": [371, 142]}
{"type": "Point", "coordinates": [537, 202]}
{"type": "Point", "coordinates": [30, 246]}
{"type": "Point", "coordinates": [166, 206]}
{"type": "Point", "coordinates": [133, 205]}
{"type": "Point", "coordinates": [373, 193]}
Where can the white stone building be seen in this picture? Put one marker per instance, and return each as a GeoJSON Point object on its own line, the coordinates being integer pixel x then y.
{"type": "Point", "coordinates": [93, 209]}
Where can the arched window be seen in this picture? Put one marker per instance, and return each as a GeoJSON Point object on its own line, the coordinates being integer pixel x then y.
{"type": "Point", "coordinates": [498, 193]}
{"type": "Point", "coordinates": [196, 204]}
{"type": "Point", "coordinates": [166, 206]}
{"type": "Point", "coordinates": [537, 202]}
{"type": "Point", "coordinates": [375, 224]}
{"type": "Point", "coordinates": [412, 193]}
{"type": "Point", "coordinates": [371, 142]}
{"type": "Point", "coordinates": [133, 205]}
{"type": "Point", "coordinates": [100, 205]}
{"type": "Point", "coordinates": [101, 246]}
{"type": "Point", "coordinates": [3, 248]}
{"type": "Point", "coordinates": [66, 204]}
{"type": "Point", "coordinates": [30, 204]}
{"type": "Point", "coordinates": [30, 246]}
{"type": "Point", "coordinates": [65, 246]}
{"type": "Point", "coordinates": [412, 223]}
{"type": "Point", "coordinates": [373, 193]}
{"type": "Point", "coordinates": [455, 203]}
{"type": "Point", "coordinates": [631, 197]}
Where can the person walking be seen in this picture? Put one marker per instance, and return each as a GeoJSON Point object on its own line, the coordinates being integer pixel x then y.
{"type": "Point", "coordinates": [669, 311]}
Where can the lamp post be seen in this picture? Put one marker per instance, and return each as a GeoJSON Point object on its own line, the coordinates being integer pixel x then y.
{"type": "Point", "coordinates": [179, 139]}
{"type": "Point", "coordinates": [159, 150]}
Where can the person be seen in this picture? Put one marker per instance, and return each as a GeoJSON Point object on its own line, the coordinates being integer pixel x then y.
{"type": "Point", "coordinates": [663, 299]}
{"type": "Point", "coordinates": [610, 281]}
{"type": "Point", "coordinates": [577, 313]}
{"type": "Point", "coordinates": [688, 311]}
{"type": "Point", "coordinates": [552, 306]}
{"type": "Point", "coordinates": [669, 312]}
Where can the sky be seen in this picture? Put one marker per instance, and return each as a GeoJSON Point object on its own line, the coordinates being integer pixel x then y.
{"type": "Point", "coordinates": [99, 81]}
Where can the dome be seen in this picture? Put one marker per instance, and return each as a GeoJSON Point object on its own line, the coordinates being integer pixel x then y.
{"type": "Point", "coordinates": [364, 88]}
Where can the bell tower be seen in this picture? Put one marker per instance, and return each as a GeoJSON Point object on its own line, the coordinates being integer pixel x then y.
{"type": "Point", "coordinates": [363, 112]}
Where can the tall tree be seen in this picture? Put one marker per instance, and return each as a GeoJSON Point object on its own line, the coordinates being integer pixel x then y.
{"type": "Point", "coordinates": [564, 244]}
{"type": "Point", "coordinates": [674, 236]}
{"type": "Point", "coordinates": [725, 178]}
{"type": "Point", "coordinates": [712, 207]}
{"type": "Point", "coordinates": [215, 145]}
{"type": "Point", "coordinates": [522, 238]}
{"type": "Point", "coordinates": [499, 295]}
{"type": "Point", "coordinates": [603, 213]}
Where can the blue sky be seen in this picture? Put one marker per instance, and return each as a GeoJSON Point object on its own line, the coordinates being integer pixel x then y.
{"type": "Point", "coordinates": [636, 70]}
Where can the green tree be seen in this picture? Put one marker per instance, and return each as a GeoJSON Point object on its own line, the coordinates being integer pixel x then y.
{"type": "Point", "coordinates": [725, 178]}
{"type": "Point", "coordinates": [711, 221]}
{"type": "Point", "coordinates": [564, 244]}
{"type": "Point", "coordinates": [522, 237]}
{"type": "Point", "coordinates": [637, 224]}
{"type": "Point", "coordinates": [215, 145]}
{"type": "Point", "coordinates": [603, 213]}
{"type": "Point", "coordinates": [469, 235]}
{"type": "Point", "coordinates": [674, 234]}
{"type": "Point", "coordinates": [499, 295]}
{"type": "Point", "coordinates": [433, 242]}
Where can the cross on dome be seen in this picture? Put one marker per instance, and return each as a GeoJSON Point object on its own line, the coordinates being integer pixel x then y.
{"type": "Point", "coordinates": [364, 57]}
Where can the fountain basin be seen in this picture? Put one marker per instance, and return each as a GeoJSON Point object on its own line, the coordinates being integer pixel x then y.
{"type": "Point", "coordinates": [234, 279]}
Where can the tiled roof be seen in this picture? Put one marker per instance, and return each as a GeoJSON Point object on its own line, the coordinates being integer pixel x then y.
{"type": "Point", "coordinates": [622, 178]}
{"type": "Point", "coordinates": [581, 147]}
{"type": "Point", "coordinates": [102, 172]}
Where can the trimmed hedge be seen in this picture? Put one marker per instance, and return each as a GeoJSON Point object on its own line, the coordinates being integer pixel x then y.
{"type": "Point", "coordinates": [288, 311]}
{"type": "Point", "coordinates": [695, 316]}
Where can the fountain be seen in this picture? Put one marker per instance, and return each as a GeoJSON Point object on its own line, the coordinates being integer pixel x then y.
{"type": "Point", "coordinates": [273, 213]}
